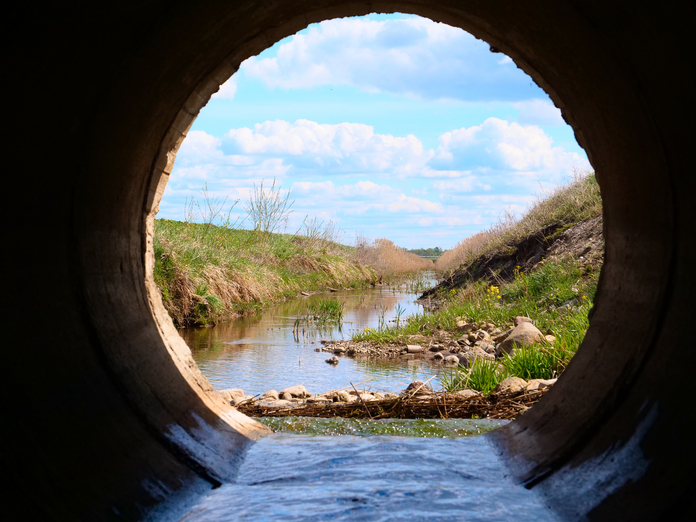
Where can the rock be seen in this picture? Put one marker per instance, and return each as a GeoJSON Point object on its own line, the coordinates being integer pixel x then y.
{"type": "Point", "coordinates": [540, 384]}
{"type": "Point", "coordinates": [466, 394]}
{"type": "Point", "coordinates": [391, 396]}
{"type": "Point", "coordinates": [435, 348]}
{"type": "Point", "coordinates": [468, 357]}
{"type": "Point", "coordinates": [438, 356]}
{"type": "Point", "coordinates": [488, 327]}
{"type": "Point", "coordinates": [286, 396]}
{"type": "Point", "coordinates": [318, 399]}
{"type": "Point", "coordinates": [283, 402]}
{"type": "Point", "coordinates": [339, 396]}
{"type": "Point", "coordinates": [332, 360]}
{"type": "Point", "coordinates": [378, 396]}
{"type": "Point", "coordinates": [366, 397]}
{"type": "Point", "coordinates": [451, 359]}
{"type": "Point", "coordinates": [416, 385]}
{"type": "Point", "coordinates": [524, 334]}
{"type": "Point", "coordinates": [414, 348]}
{"type": "Point", "coordinates": [502, 336]}
{"type": "Point", "coordinates": [239, 400]}
{"type": "Point", "coordinates": [550, 338]}
{"type": "Point", "coordinates": [486, 347]}
{"type": "Point", "coordinates": [298, 390]}
{"type": "Point", "coordinates": [522, 319]}
{"type": "Point", "coordinates": [231, 394]}
{"type": "Point", "coordinates": [482, 335]}
{"type": "Point", "coordinates": [466, 327]}
{"type": "Point", "coordinates": [510, 386]}
{"type": "Point", "coordinates": [339, 350]}
{"type": "Point", "coordinates": [271, 394]}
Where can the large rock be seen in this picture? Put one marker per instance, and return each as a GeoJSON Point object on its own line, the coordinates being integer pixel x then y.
{"type": "Point", "coordinates": [522, 319]}
{"type": "Point", "coordinates": [510, 386]}
{"type": "Point", "coordinates": [499, 338]}
{"type": "Point", "coordinates": [298, 390]}
{"type": "Point", "coordinates": [231, 394]}
{"type": "Point", "coordinates": [271, 394]}
{"type": "Point", "coordinates": [524, 334]}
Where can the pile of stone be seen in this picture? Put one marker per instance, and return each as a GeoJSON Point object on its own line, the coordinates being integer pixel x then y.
{"type": "Point", "coordinates": [298, 394]}
{"type": "Point", "coordinates": [470, 341]}
{"type": "Point", "coordinates": [510, 398]}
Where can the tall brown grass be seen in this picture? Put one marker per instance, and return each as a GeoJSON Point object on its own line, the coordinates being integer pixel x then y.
{"type": "Point", "coordinates": [578, 200]}
{"type": "Point", "coordinates": [386, 258]}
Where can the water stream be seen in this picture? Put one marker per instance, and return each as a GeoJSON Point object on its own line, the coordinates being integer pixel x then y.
{"type": "Point", "coordinates": [260, 353]}
{"type": "Point", "coordinates": [347, 469]}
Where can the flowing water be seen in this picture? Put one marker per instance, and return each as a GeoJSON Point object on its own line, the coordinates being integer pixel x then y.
{"type": "Point", "coordinates": [261, 352]}
{"type": "Point", "coordinates": [347, 469]}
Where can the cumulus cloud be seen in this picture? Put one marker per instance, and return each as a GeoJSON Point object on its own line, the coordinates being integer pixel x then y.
{"type": "Point", "coordinates": [502, 146]}
{"type": "Point", "coordinates": [347, 148]}
{"type": "Point", "coordinates": [394, 181]}
{"type": "Point", "coordinates": [413, 57]}
{"type": "Point", "coordinates": [227, 90]}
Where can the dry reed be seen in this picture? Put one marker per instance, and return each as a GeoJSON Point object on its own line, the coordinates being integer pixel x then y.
{"type": "Point", "coordinates": [386, 258]}
{"type": "Point", "coordinates": [571, 203]}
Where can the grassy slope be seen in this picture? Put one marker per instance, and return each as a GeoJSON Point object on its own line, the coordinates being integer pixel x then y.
{"type": "Point", "coordinates": [206, 273]}
{"type": "Point", "coordinates": [539, 293]}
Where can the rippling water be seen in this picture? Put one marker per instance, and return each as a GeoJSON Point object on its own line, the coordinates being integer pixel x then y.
{"type": "Point", "coordinates": [306, 477]}
{"type": "Point", "coordinates": [259, 353]}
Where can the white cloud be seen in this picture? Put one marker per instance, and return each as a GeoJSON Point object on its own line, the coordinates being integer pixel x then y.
{"type": "Point", "coordinates": [329, 148]}
{"type": "Point", "coordinates": [361, 197]}
{"type": "Point", "coordinates": [499, 145]}
{"type": "Point", "coordinates": [411, 57]}
{"type": "Point", "coordinates": [460, 185]}
{"type": "Point", "coordinates": [227, 90]}
{"type": "Point", "coordinates": [200, 145]}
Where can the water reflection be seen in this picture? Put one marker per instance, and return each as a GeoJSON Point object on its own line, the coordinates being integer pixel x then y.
{"type": "Point", "coordinates": [259, 353]}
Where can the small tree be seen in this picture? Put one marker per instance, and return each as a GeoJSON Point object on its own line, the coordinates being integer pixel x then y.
{"type": "Point", "coordinates": [268, 209]}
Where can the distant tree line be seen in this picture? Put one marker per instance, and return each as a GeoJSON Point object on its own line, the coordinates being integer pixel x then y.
{"type": "Point", "coordinates": [427, 252]}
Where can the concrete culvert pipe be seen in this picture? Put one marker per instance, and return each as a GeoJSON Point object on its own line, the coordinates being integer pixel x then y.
{"type": "Point", "coordinates": [105, 415]}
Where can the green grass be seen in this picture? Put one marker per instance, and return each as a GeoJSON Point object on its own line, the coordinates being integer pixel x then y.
{"type": "Point", "coordinates": [539, 295]}
{"type": "Point", "coordinates": [206, 273]}
{"type": "Point", "coordinates": [326, 311]}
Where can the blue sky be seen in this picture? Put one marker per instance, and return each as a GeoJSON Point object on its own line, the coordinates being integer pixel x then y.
{"type": "Point", "coordinates": [388, 125]}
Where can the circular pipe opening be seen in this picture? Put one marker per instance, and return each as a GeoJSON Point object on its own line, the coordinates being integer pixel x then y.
{"type": "Point", "coordinates": [145, 423]}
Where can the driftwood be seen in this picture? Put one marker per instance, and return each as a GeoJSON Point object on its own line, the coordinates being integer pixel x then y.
{"type": "Point", "coordinates": [436, 406]}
